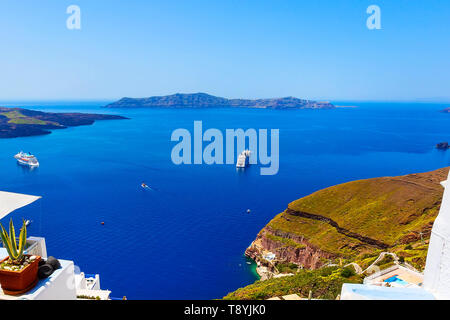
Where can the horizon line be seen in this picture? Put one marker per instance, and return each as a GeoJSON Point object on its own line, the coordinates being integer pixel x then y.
{"type": "Point", "coordinates": [55, 100]}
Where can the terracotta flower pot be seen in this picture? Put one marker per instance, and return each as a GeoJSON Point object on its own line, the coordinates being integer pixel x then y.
{"type": "Point", "coordinates": [19, 281]}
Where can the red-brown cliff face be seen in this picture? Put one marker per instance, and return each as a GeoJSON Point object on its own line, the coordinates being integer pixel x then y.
{"type": "Point", "coordinates": [301, 252]}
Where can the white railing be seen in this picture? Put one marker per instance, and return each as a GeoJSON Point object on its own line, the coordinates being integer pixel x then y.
{"type": "Point", "coordinates": [380, 273]}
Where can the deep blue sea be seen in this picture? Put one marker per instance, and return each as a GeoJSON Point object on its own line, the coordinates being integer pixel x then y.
{"type": "Point", "coordinates": [186, 238]}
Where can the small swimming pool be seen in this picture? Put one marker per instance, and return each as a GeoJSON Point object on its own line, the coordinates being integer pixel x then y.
{"type": "Point", "coordinates": [396, 279]}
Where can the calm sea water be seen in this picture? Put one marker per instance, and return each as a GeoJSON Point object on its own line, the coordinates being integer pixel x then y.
{"type": "Point", "coordinates": [186, 239]}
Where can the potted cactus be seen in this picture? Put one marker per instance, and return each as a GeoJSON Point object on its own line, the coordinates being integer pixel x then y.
{"type": "Point", "coordinates": [18, 271]}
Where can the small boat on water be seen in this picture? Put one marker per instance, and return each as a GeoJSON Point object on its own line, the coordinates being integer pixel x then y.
{"type": "Point", "coordinates": [27, 222]}
{"type": "Point", "coordinates": [145, 186]}
{"type": "Point", "coordinates": [26, 159]}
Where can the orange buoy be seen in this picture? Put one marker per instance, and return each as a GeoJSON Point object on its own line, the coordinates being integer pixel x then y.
{"type": "Point", "coordinates": [102, 223]}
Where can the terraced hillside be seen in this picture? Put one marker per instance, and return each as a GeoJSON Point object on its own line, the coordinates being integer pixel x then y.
{"type": "Point", "coordinates": [353, 220]}
{"type": "Point", "coordinates": [349, 223]}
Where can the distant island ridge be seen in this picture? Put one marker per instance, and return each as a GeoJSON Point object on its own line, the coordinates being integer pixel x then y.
{"type": "Point", "coordinates": [19, 122]}
{"type": "Point", "coordinates": [447, 110]}
{"type": "Point", "coordinates": [203, 100]}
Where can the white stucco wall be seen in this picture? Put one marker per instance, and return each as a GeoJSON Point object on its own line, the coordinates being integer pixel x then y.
{"type": "Point", "coordinates": [437, 269]}
{"type": "Point", "coordinates": [59, 286]}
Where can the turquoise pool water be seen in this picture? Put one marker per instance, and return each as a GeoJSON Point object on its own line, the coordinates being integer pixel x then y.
{"type": "Point", "coordinates": [396, 279]}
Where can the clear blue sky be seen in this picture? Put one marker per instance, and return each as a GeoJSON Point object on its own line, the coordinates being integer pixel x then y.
{"type": "Point", "coordinates": [317, 49]}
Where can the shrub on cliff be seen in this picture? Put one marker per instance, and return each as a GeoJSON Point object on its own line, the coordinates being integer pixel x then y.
{"type": "Point", "coordinates": [348, 272]}
{"type": "Point", "coordinates": [386, 259]}
{"type": "Point", "coordinates": [287, 267]}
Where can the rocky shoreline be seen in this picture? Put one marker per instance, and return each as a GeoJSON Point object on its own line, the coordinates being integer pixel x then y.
{"type": "Point", "coordinates": [443, 146]}
{"type": "Point", "coordinates": [300, 252]}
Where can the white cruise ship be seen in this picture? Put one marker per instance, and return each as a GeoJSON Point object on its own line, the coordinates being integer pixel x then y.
{"type": "Point", "coordinates": [27, 159]}
{"type": "Point", "coordinates": [243, 159]}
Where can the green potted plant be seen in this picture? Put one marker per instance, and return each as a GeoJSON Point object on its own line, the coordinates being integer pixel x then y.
{"type": "Point", "coordinates": [18, 271]}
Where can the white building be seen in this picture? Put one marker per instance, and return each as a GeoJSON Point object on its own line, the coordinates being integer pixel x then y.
{"type": "Point", "coordinates": [65, 283]}
{"type": "Point", "coordinates": [436, 278]}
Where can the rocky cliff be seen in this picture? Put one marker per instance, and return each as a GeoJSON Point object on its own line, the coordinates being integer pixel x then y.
{"type": "Point", "coordinates": [288, 247]}
{"type": "Point", "coordinates": [443, 146]}
{"type": "Point", "coordinates": [353, 221]}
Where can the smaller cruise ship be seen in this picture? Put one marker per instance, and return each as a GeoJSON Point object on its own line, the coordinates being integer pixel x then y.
{"type": "Point", "coordinates": [27, 159]}
{"type": "Point", "coordinates": [243, 159]}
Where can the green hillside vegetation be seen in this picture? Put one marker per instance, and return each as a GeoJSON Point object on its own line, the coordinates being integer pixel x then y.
{"type": "Point", "coordinates": [318, 233]}
{"type": "Point", "coordinates": [416, 256]}
{"type": "Point", "coordinates": [285, 241]}
{"type": "Point", "coordinates": [386, 209]}
{"type": "Point", "coordinates": [20, 122]}
{"type": "Point", "coordinates": [349, 221]}
{"type": "Point", "coordinates": [18, 118]}
{"type": "Point", "coordinates": [324, 283]}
